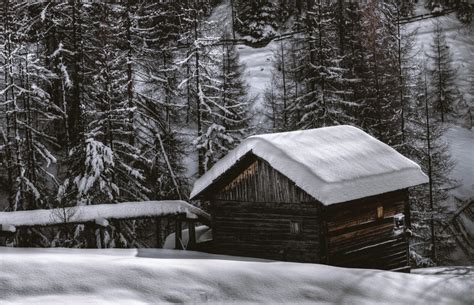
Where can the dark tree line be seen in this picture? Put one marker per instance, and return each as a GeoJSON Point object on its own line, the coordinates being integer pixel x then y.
{"type": "Point", "coordinates": [103, 102]}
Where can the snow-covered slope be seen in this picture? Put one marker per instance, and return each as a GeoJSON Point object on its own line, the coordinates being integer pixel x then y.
{"type": "Point", "coordinates": [461, 44]}
{"type": "Point", "coordinates": [157, 276]}
{"type": "Point", "coordinates": [461, 147]}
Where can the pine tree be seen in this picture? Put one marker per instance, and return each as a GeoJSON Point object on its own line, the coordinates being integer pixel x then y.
{"type": "Point", "coordinates": [231, 122]}
{"type": "Point", "coordinates": [202, 82]}
{"type": "Point", "coordinates": [320, 69]}
{"type": "Point", "coordinates": [442, 74]}
{"type": "Point", "coordinates": [379, 104]}
{"type": "Point", "coordinates": [28, 112]}
{"type": "Point", "coordinates": [428, 202]}
{"type": "Point", "coordinates": [109, 160]}
{"type": "Point", "coordinates": [277, 95]}
{"type": "Point", "coordinates": [257, 19]}
{"type": "Point", "coordinates": [159, 113]}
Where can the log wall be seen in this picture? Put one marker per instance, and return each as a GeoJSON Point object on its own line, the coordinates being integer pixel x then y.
{"type": "Point", "coordinates": [356, 237]}
{"type": "Point", "coordinates": [253, 213]}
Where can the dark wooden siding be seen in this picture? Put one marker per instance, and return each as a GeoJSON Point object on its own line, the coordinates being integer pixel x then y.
{"type": "Point", "coordinates": [259, 182]}
{"type": "Point", "coordinates": [262, 230]}
{"type": "Point", "coordinates": [355, 237]}
{"type": "Point", "coordinates": [252, 212]}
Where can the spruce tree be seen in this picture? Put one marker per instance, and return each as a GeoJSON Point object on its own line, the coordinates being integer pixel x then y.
{"type": "Point", "coordinates": [320, 69]}
{"type": "Point", "coordinates": [379, 104]}
{"type": "Point", "coordinates": [442, 74]}
{"type": "Point", "coordinates": [231, 121]}
{"type": "Point", "coordinates": [431, 243]}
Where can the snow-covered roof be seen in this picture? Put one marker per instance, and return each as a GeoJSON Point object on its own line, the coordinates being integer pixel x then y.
{"type": "Point", "coordinates": [332, 164]}
{"type": "Point", "coordinates": [80, 214]}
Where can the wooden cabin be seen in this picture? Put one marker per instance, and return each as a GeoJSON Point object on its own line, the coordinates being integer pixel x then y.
{"type": "Point", "coordinates": [332, 195]}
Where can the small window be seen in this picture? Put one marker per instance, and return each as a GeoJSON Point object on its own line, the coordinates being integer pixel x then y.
{"type": "Point", "coordinates": [295, 227]}
{"type": "Point", "coordinates": [379, 212]}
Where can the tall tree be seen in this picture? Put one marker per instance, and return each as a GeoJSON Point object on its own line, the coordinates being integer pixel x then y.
{"type": "Point", "coordinates": [429, 202]}
{"type": "Point", "coordinates": [442, 74]}
{"type": "Point", "coordinates": [230, 122]}
{"type": "Point", "coordinates": [320, 69]}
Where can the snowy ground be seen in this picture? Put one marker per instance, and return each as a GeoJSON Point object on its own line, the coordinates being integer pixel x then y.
{"type": "Point", "coordinates": [154, 276]}
{"type": "Point", "coordinates": [461, 147]}
{"type": "Point", "coordinates": [460, 40]}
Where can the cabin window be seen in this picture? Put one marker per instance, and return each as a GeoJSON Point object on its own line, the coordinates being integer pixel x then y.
{"type": "Point", "coordinates": [399, 222]}
{"type": "Point", "coordinates": [295, 227]}
{"type": "Point", "coordinates": [379, 212]}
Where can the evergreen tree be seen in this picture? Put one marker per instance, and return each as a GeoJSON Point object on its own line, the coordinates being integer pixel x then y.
{"type": "Point", "coordinates": [231, 122]}
{"type": "Point", "coordinates": [28, 116]}
{"type": "Point", "coordinates": [431, 243]}
{"type": "Point", "coordinates": [319, 67]}
{"type": "Point", "coordinates": [201, 82]}
{"type": "Point", "coordinates": [442, 74]}
{"type": "Point", "coordinates": [379, 105]}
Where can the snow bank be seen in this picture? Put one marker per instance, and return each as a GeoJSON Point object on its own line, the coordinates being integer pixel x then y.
{"type": "Point", "coordinates": [332, 164]}
{"type": "Point", "coordinates": [155, 276]}
{"type": "Point", "coordinates": [88, 213]}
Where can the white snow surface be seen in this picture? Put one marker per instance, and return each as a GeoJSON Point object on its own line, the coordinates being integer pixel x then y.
{"type": "Point", "coordinates": [87, 213]}
{"type": "Point", "coordinates": [151, 276]}
{"type": "Point", "coordinates": [332, 164]}
{"type": "Point", "coordinates": [461, 147]}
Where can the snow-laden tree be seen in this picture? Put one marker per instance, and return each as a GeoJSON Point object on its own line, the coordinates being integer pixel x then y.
{"type": "Point", "coordinates": [109, 161]}
{"type": "Point", "coordinates": [431, 242]}
{"type": "Point", "coordinates": [28, 111]}
{"type": "Point", "coordinates": [319, 68]}
{"type": "Point", "coordinates": [256, 19]}
{"type": "Point", "coordinates": [230, 120]}
{"type": "Point", "coordinates": [201, 83]}
{"type": "Point", "coordinates": [159, 111]}
{"type": "Point", "coordinates": [442, 74]}
{"type": "Point", "coordinates": [378, 102]}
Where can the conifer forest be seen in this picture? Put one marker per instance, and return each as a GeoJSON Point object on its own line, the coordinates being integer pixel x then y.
{"type": "Point", "coordinates": [121, 101]}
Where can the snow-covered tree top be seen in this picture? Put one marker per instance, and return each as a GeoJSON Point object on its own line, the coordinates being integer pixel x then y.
{"type": "Point", "coordinates": [91, 213]}
{"type": "Point", "coordinates": [332, 164]}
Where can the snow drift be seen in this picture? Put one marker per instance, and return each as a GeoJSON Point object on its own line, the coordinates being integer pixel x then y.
{"type": "Point", "coordinates": [154, 276]}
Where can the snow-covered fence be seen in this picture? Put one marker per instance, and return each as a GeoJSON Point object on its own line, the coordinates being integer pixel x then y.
{"type": "Point", "coordinates": [101, 214]}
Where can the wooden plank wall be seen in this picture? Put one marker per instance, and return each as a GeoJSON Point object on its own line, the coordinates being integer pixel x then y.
{"type": "Point", "coordinates": [259, 229]}
{"type": "Point", "coordinates": [259, 182]}
{"type": "Point", "coordinates": [251, 216]}
{"type": "Point", "coordinates": [357, 238]}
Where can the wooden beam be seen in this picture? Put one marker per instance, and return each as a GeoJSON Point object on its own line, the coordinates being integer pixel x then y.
{"type": "Point", "coordinates": [192, 235]}
{"type": "Point", "coordinates": [177, 235]}
{"type": "Point", "coordinates": [158, 231]}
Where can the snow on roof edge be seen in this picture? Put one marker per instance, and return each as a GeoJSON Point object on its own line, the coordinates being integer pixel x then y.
{"type": "Point", "coordinates": [78, 214]}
